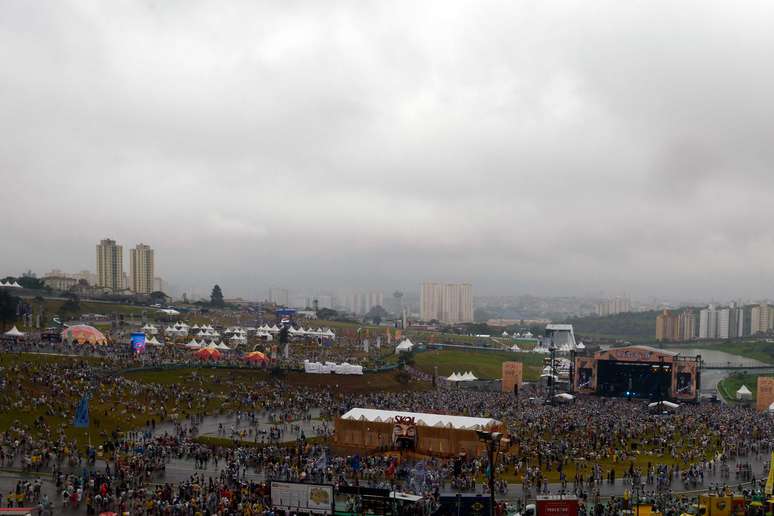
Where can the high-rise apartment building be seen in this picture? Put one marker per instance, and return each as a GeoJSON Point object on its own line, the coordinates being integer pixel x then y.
{"type": "Point", "coordinates": [686, 325]}
{"type": "Point", "coordinates": [666, 323]}
{"type": "Point", "coordinates": [110, 265]}
{"type": "Point", "coordinates": [279, 296]}
{"type": "Point", "coordinates": [159, 285]}
{"type": "Point", "coordinates": [676, 327]}
{"type": "Point", "coordinates": [450, 303]}
{"type": "Point", "coordinates": [759, 319]}
{"type": "Point", "coordinates": [708, 323]}
{"type": "Point", "coordinates": [142, 268]}
{"type": "Point", "coordinates": [361, 303]}
{"type": "Point", "coordinates": [615, 306]}
{"type": "Point", "coordinates": [725, 328]}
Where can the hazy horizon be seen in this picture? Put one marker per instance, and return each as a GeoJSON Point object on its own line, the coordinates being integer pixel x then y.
{"type": "Point", "coordinates": [526, 148]}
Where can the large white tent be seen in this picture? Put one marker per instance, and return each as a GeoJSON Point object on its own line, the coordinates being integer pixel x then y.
{"type": "Point", "coordinates": [332, 367]}
{"type": "Point", "coordinates": [436, 420]}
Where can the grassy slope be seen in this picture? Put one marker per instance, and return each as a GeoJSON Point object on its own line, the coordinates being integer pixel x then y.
{"type": "Point", "coordinates": [484, 364]}
{"type": "Point", "coordinates": [728, 386]}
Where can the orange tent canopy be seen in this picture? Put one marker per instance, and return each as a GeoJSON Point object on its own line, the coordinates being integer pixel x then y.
{"type": "Point", "coordinates": [208, 353]}
{"type": "Point", "coordinates": [255, 356]}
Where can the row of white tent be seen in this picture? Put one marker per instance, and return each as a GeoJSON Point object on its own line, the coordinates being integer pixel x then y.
{"type": "Point", "coordinates": [311, 332]}
{"type": "Point", "coordinates": [517, 335]}
{"type": "Point", "coordinates": [199, 345]}
{"type": "Point", "coordinates": [332, 367]}
{"type": "Point", "coordinates": [464, 377]}
{"type": "Point", "coordinates": [9, 284]}
{"type": "Point", "coordinates": [564, 348]}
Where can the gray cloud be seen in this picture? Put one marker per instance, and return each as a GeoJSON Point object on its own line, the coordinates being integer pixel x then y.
{"type": "Point", "coordinates": [544, 147]}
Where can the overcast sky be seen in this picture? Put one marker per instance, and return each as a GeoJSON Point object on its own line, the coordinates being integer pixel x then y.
{"type": "Point", "coordinates": [524, 146]}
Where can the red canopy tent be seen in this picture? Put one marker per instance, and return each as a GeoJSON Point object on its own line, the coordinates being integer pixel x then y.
{"type": "Point", "coordinates": [208, 353]}
{"type": "Point", "coordinates": [256, 356]}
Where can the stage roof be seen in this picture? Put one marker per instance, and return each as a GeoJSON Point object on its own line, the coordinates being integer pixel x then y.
{"type": "Point", "coordinates": [436, 420]}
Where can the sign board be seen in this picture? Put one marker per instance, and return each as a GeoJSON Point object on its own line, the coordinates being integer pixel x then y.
{"type": "Point", "coordinates": [469, 505]}
{"type": "Point", "coordinates": [311, 498]}
{"type": "Point", "coordinates": [765, 395]}
{"type": "Point", "coordinates": [137, 342]}
{"type": "Point", "coordinates": [557, 506]}
{"type": "Point", "coordinates": [512, 376]}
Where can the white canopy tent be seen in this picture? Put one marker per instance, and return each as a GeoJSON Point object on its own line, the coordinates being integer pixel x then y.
{"type": "Point", "coordinates": [515, 348]}
{"type": "Point", "coordinates": [404, 347]}
{"type": "Point", "coordinates": [743, 393]}
{"type": "Point", "coordinates": [193, 345]}
{"type": "Point", "coordinates": [14, 332]}
{"type": "Point", "coordinates": [664, 404]}
{"type": "Point", "coordinates": [154, 342]}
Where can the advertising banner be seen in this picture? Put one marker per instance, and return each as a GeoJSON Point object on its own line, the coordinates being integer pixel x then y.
{"type": "Point", "coordinates": [137, 342]}
{"type": "Point", "coordinates": [585, 374]}
{"type": "Point", "coordinates": [684, 379]}
{"type": "Point", "coordinates": [512, 376]}
{"type": "Point", "coordinates": [557, 506]}
{"type": "Point", "coordinates": [309, 498]}
{"type": "Point", "coordinates": [765, 393]}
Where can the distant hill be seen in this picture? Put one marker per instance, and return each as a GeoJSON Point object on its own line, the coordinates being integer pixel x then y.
{"type": "Point", "coordinates": [631, 325]}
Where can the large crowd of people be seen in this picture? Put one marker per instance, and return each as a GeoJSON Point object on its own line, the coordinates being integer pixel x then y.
{"type": "Point", "coordinates": [142, 422]}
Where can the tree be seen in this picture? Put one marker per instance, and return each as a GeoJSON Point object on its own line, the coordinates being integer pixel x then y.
{"type": "Point", "coordinates": [158, 296]}
{"type": "Point", "coordinates": [376, 314]}
{"type": "Point", "coordinates": [31, 282]}
{"type": "Point", "coordinates": [481, 315]}
{"type": "Point", "coordinates": [8, 307]}
{"type": "Point", "coordinates": [72, 305]}
{"type": "Point", "coordinates": [327, 314]}
{"type": "Point", "coordinates": [216, 298]}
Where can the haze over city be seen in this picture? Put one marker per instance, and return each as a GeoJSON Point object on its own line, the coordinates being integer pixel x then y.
{"type": "Point", "coordinates": [520, 147]}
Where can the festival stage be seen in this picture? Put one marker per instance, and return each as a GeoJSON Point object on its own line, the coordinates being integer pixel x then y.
{"type": "Point", "coordinates": [639, 372]}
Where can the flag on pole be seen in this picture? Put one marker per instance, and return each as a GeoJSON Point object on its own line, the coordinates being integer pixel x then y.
{"type": "Point", "coordinates": [82, 413]}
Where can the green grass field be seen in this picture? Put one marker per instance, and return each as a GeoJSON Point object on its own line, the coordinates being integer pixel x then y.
{"type": "Point", "coordinates": [483, 364]}
{"type": "Point", "coordinates": [728, 386]}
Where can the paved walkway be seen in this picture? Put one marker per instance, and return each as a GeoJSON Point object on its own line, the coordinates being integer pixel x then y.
{"type": "Point", "coordinates": [178, 470]}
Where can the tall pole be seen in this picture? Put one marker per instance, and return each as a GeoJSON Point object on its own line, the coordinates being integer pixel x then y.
{"type": "Point", "coordinates": [491, 477]}
{"type": "Point", "coordinates": [551, 378]}
{"type": "Point", "coordinates": [572, 371]}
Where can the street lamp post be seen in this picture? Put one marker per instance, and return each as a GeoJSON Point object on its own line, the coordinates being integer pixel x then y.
{"type": "Point", "coordinates": [492, 440]}
{"type": "Point", "coordinates": [552, 377]}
